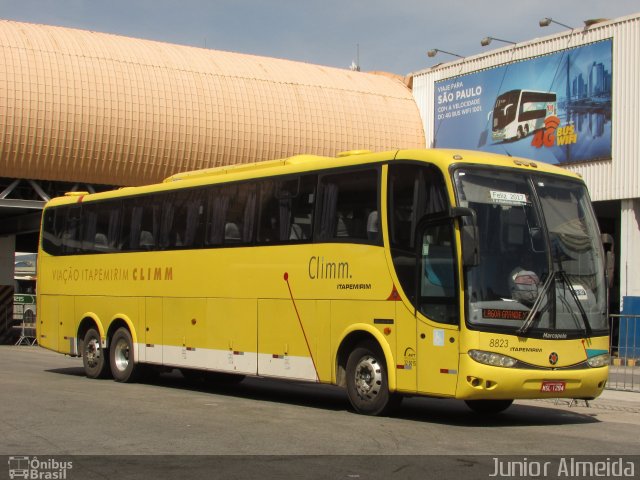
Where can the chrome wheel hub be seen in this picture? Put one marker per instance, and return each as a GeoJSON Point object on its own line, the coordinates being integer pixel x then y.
{"type": "Point", "coordinates": [121, 355]}
{"type": "Point", "coordinates": [368, 378]}
{"type": "Point", "coordinates": [92, 353]}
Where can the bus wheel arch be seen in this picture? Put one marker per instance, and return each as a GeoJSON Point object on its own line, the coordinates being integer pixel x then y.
{"type": "Point", "coordinates": [86, 324]}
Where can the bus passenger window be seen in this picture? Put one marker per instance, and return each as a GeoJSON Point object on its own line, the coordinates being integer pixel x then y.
{"type": "Point", "coordinates": [52, 225]}
{"type": "Point", "coordinates": [71, 234]}
{"type": "Point", "coordinates": [286, 209]}
{"type": "Point", "coordinates": [101, 226]}
{"type": "Point", "coordinates": [142, 224]}
{"type": "Point", "coordinates": [238, 206]}
{"type": "Point", "coordinates": [274, 214]}
{"type": "Point", "coordinates": [182, 220]}
{"type": "Point", "coordinates": [216, 215]}
{"type": "Point", "coordinates": [349, 206]}
{"type": "Point", "coordinates": [302, 203]}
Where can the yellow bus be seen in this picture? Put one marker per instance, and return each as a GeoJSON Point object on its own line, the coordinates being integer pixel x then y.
{"type": "Point", "coordinates": [441, 273]}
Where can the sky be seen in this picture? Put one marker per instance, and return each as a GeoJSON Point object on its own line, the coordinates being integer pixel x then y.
{"type": "Point", "coordinates": [390, 35]}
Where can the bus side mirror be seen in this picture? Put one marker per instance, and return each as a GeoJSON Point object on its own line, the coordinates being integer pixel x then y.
{"type": "Point", "coordinates": [610, 257]}
{"type": "Point", "coordinates": [469, 235]}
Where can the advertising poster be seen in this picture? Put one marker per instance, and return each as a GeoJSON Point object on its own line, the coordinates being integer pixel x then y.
{"type": "Point", "coordinates": [554, 108]}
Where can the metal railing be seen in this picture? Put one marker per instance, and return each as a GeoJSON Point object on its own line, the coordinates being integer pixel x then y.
{"type": "Point", "coordinates": [624, 371]}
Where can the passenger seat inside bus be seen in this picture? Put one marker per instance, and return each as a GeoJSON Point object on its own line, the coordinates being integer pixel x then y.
{"type": "Point", "coordinates": [231, 232]}
{"type": "Point", "coordinates": [146, 240]}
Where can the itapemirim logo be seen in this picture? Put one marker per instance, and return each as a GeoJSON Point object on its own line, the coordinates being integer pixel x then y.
{"type": "Point", "coordinates": [33, 468]}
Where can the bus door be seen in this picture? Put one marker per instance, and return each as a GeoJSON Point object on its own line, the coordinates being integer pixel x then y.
{"type": "Point", "coordinates": [437, 322]}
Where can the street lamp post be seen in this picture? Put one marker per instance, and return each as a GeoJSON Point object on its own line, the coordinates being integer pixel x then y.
{"type": "Point", "coordinates": [432, 53]}
{"type": "Point", "coordinates": [545, 22]}
{"type": "Point", "coordinates": [487, 40]}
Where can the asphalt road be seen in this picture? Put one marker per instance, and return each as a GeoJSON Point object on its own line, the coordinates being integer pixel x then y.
{"type": "Point", "coordinates": [50, 409]}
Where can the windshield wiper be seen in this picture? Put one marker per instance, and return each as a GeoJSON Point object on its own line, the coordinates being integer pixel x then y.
{"type": "Point", "coordinates": [565, 279]}
{"type": "Point", "coordinates": [562, 275]}
{"type": "Point", "coordinates": [585, 320]}
{"type": "Point", "coordinates": [528, 322]}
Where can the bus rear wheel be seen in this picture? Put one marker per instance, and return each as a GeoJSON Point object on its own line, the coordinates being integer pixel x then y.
{"type": "Point", "coordinates": [367, 381]}
{"type": "Point", "coordinates": [94, 357]}
{"type": "Point", "coordinates": [488, 407]}
{"type": "Point", "coordinates": [123, 367]}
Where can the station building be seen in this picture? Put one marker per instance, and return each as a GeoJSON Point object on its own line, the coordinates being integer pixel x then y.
{"type": "Point", "coordinates": [87, 111]}
{"type": "Point", "coordinates": [572, 99]}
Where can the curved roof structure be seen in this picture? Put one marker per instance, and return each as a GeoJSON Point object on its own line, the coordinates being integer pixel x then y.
{"type": "Point", "coordinates": [98, 108]}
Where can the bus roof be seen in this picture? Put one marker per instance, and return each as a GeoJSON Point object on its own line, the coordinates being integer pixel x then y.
{"type": "Point", "coordinates": [442, 158]}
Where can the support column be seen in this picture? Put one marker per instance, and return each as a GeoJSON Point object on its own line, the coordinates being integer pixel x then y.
{"type": "Point", "coordinates": [7, 259]}
{"type": "Point", "coordinates": [630, 254]}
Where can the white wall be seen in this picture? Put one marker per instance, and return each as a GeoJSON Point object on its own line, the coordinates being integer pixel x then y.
{"type": "Point", "coordinates": [630, 249]}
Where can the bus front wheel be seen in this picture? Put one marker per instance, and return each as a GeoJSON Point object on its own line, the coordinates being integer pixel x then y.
{"type": "Point", "coordinates": [123, 367]}
{"type": "Point", "coordinates": [488, 407]}
{"type": "Point", "coordinates": [94, 357]}
{"type": "Point", "coordinates": [367, 381]}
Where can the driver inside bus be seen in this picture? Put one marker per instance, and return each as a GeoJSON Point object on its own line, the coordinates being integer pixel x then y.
{"type": "Point", "coordinates": [523, 285]}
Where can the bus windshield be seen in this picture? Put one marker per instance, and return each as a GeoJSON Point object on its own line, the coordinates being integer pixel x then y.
{"type": "Point", "coordinates": [541, 265]}
{"type": "Point", "coordinates": [505, 109]}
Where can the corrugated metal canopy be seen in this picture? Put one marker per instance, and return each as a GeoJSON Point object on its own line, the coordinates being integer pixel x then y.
{"type": "Point", "coordinates": [99, 108]}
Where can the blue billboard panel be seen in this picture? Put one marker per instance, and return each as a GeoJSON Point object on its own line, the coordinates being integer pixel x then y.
{"type": "Point", "coordinates": [554, 108]}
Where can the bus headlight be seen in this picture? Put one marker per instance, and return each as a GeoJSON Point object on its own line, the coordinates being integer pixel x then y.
{"type": "Point", "coordinates": [599, 361]}
{"type": "Point", "coordinates": [491, 358]}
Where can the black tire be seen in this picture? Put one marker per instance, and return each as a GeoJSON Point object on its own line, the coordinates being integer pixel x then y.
{"type": "Point", "coordinates": [488, 407]}
{"type": "Point", "coordinates": [367, 381]}
{"type": "Point", "coordinates": [94, 358]}
{"type": "Point", "coordinates": [123, 366]}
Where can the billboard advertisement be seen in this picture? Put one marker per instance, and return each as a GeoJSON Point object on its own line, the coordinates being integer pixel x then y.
{"type": "Point", "coordinates": [553, 108]}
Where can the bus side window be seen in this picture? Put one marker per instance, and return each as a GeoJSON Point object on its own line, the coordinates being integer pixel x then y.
{"type": "Point", "coordinates": [52, 225]}
{"type": "Point", "coordinates": [142, 223]}
{"type": "Point", "coordinates": [71, 234]}
{"type": "Point", "coordinates": [239, 213]}
{"type": "Point", "coordinates": [413, 191]}
{"type": "Point", "coordinates": [218, 205]}
{"type": "Point", "coordinates": [190, 217]}
{"type": "Point", "coordinates": [437, 292]}
{"type": "Point", "coordinates": [273, 214]}
{"type": "Point", "coordinates": [101, 225]}
{"type": "Point", "coordinates": [302, 205]}
{"type": "Point", "coordinates": [181, 224]}
{"type": "Point", "coordinates": [286, 209]}
{"type": "Point", "coordinates": [347, 206]}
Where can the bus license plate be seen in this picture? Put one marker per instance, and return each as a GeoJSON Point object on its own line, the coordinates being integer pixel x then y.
{"type": "Point", "coordinates": [553, 387]}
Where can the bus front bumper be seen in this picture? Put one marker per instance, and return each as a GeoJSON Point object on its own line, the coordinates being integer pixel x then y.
{"type": "Point", "coordinates": [485, 382]}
